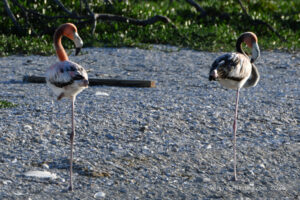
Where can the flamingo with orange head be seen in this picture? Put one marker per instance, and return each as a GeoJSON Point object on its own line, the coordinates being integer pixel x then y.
{"type": "Point", "coordinates": [66, 78]}
{"type": "Point", "coordinates": [235, 71]}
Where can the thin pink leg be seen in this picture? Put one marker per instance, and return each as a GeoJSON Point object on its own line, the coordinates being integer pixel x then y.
{"type": "Point", "coordinates": [72, 145]}
{"type": "Point", "coordinates": [234, 132]}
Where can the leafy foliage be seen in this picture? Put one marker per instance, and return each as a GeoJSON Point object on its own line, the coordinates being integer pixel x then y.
{"type": "Point", "coordinates": [217, 31]}
{"type": "Point", "coordinates": [6, 104]}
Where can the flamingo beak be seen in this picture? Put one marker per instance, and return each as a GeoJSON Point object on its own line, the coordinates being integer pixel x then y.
{"type": "Point", "coordinates": [78, 43]}
{"type": "Point", "coordinates": [77, 51]}
{"type": "Point", "coordinates": [255, 52]}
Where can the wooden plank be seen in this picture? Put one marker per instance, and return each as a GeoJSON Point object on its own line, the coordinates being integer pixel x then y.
{"type": "Point", "coordinates": [97, 82]}
{"type": "Point", "coordinates": [34, 79]}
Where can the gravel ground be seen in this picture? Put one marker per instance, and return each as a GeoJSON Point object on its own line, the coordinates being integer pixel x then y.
{"type": "Point", "coordinates": [169, 142]}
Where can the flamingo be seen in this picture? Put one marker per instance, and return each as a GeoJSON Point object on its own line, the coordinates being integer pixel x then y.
{"type": "Point", "coordinates": [235, 71]}
{"type": "Point", "coordinates": [66, 78]}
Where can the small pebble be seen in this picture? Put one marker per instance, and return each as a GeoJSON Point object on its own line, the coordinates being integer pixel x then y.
{"type": "Point", "coordinates": [262, 166]}
{"type": "Point", "coordinates": [5, 182]}
{"type": "Point", "coordinates": [98, 93]}
{"type": "Point", "coordinates": [40, 174]}
{"type": "Point", "coordinates": [109, 136]}
{"type": "Point", "coordinates": [206, 179]}
{"type": "Point", "coordinates": [99, 195]}
{"type": "Point", "coordinates": [45, 166]}
{"type": "Point", "coordinates": [27, 127]}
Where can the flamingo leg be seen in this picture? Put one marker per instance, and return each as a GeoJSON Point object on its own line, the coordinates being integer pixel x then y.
{"type": "Point", "coordinates": [72, 144]}
{"type": "Point", "coordinates": [234, 132]}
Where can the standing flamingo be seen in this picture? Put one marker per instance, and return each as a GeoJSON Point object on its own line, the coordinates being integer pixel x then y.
{"type": "Point", "coordinates": [66, 78]}
{"type": "Point", "coordinates": [236, 70]}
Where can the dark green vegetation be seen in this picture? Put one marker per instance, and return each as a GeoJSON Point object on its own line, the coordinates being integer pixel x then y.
{"type": "Point", "coordinates": [217, 30]}
{"type": "Point", "coordinates": [6, 104]}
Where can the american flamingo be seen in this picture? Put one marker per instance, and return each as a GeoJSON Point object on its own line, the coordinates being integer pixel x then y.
{"type": "Point", "coordinates": [66, 78]}
{"type": "Point", "coordinates": [236, 70]}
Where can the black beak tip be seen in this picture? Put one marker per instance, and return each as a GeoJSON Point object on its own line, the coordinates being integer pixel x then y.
{"type": "Point", "coordinates": [77, 51]}
{"type": "Point", "coordinates": [86, 83]}
{"type": "Point", "coordinates": [252, 60]}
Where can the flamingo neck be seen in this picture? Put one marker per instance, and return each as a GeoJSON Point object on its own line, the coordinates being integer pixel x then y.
{"type": "Point", "coordinates": [239, 48]}
{"type": "Point", "coordinates": [60, 51]}
{"type": "Point", "coordinates": [254, 78]}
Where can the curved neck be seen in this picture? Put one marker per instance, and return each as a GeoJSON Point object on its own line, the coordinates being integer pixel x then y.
{"type": "Point", "coordinates": [60, 51]}
{"type": "Point", "coordinates": [253, 80]}
{"type": "Point", "coordinates": [239, 45]}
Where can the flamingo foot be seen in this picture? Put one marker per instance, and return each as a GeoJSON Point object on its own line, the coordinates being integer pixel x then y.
{"type": "Point", "coordinates": [70, 188]}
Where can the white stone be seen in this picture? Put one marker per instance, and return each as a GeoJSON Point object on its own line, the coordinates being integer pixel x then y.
{"type": "Point", "coordinates": [98, 93]}
{"type": "Point", "coordinates": [27, 127]}
{"type": "Point", "coordinates": [262, 165]}
{"type": "Point", "coordinates": [206, 179]}
{"type": "Point", "coordinates": [18, 193]}
{"type": "Point", "coordinates": [5, 182]}
{"type": "Point", "coordinates": [40, 174]}
{"type": "Point", "coordinates": [99, 195]}
{"type": "Point", "coordinates": [45, 166]}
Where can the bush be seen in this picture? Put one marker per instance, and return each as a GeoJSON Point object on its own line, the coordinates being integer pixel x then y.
{"type": "Point", "coordinates": [216, 31]}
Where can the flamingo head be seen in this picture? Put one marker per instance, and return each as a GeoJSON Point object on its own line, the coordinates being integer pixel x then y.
{"type": "Point", "coordinates": [251, 41]}
{"type": "Point", "coordinates": [70, 31]}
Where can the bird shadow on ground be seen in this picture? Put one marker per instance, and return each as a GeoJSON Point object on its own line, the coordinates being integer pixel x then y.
{"type": "Point", "coordinates": [83, 169]}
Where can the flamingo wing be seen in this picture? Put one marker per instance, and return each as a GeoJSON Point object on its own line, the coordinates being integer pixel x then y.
{"type": "Point", "coordinates": [65, 73]}
{"type": "Point", "coordinates": [231, 66]}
